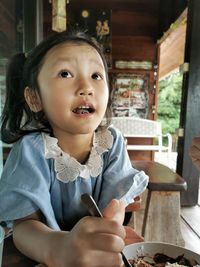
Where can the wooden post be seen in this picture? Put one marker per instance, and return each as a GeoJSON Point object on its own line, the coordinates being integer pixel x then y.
{"type": "Point", "coordinates": [190, 110]}
{"type": "Point", "coordinates": [162, 218]}
{"type": "Point", "coordinates": [33, 23]}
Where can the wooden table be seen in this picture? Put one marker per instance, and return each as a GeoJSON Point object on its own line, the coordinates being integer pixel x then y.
{"type": "Point", "coordinates": [161, 177]}
{"type": "Point", "coordinates": [161, 219]}
{"type": "Point", "coordinates": [12, 257]}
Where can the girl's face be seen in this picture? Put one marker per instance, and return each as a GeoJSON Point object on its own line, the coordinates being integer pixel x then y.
{"type": "Point", "coordinates": [73, 88]}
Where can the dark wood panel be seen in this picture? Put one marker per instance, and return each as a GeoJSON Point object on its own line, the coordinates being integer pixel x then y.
{"type": "Point", "coordinates": [12, 256]}
{"type": "Point", "coordinates": [133, 48]}
{"type": "Point", "coordinates": [190, 110]}
{"type": "Point", "coordinates": [163, 12]}
{"type": "Point", "coordinates": [140, 155]}
{"type": "Point", "coordinates": [131, 22]}
{"type": "Point", "coordinates": [129, 17]}
{"type": "Point", "coordinates": [7, 29]}
{"type": "Point", "coordinates": [150, 6]}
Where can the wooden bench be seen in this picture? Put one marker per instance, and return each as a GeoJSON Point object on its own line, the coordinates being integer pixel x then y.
{"type": "Point", "coordinates": [141, 128]}
{"type": "Point", "coordinates": [161, 218]}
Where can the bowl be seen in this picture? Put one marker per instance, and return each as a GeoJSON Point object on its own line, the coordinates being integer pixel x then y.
{"type": "Point", "coordinates": [149, 249]}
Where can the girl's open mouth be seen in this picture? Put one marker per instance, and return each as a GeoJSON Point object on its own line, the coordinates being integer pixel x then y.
{"type": "Point", "coordinates": [84, 110]}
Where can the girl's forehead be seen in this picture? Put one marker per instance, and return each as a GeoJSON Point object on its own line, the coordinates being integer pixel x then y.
{"type": "Point", "coordinates": [72, 49]}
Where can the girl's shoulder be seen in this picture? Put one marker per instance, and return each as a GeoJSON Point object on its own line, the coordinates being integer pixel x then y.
{"type": "Point", "coordinates": [30, 143]}
{"type": "Point", "coordinates": [25, 159]}
{"type": "Point", "coordinates": [30, 138]}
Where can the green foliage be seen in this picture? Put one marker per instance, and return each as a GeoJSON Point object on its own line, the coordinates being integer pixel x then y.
{"type": "Point", "coordinates": [169, 100]}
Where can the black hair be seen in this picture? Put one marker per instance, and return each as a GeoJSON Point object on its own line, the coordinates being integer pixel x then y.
{"type": "Point", "coordinates": [17, 118]}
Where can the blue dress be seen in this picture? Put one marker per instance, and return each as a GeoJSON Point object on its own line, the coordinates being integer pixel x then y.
{"type": "Point", "coordinates": [38, 175]}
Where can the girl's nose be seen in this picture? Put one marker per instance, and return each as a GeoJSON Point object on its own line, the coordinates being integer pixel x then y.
{"type": "Point", "coordinates": [85, 88]}
{"type": "Point", "coordinates": [86, 92]}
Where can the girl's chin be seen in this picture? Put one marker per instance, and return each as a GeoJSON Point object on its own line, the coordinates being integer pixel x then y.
{"type": "Point", "coordinates": [87, 130]}
{"type": "Point", "coordinates": [88, 125]}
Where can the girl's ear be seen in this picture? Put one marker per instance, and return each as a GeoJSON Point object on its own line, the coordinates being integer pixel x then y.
{"type": "Point", "coordinates": [33, 99]}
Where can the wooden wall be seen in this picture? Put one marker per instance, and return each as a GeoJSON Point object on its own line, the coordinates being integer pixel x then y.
{"type": "Point", "coordinates": [134, 26]}
{"type": "Point", "coordinates": [7, 31]}
{"type": "Point", "coordinates": [11, 35]}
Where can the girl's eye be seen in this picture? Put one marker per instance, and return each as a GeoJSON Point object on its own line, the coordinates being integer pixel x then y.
{"type": "Point", "coordinates": [96, 76]}
{"type": "Point", "coordinates": [65, 74]}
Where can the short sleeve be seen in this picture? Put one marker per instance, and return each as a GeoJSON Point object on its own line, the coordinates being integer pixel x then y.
{"type": "Point", "coordinates": [120, 179]}
{"type": "Point", "coordinates": [25, 182]}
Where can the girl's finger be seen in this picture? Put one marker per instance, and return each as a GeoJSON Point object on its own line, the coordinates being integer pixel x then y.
{"type": "Point", "coordinates": [89, 225]}
{"type": "Point", "coordinates": [132, 236]}
{"type": "Point", "coordinates": [106, 242]}
{"type": "Point", "coordinates": [115, 211]}
{"type": "Point", "coordinates": [103, 258]}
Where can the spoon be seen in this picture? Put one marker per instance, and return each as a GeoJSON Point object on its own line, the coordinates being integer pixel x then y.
{"type": "Point", "coordinates": [94, 211]}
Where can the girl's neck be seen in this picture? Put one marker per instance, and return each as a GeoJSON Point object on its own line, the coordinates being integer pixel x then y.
{"type": "Point", "coordinates": [77, 146]}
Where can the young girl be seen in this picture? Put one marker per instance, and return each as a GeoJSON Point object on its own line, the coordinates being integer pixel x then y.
{"type": "Point", "coordinates": [57, 97]}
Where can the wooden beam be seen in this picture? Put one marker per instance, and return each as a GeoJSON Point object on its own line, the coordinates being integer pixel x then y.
{"type": "Point", "coordinates": [172, 46]}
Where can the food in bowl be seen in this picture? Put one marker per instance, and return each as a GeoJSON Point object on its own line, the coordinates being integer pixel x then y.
{"type": "Point", "coordinates": [162, 260]}
{"type": "Point", "coordinates": [159, 254]}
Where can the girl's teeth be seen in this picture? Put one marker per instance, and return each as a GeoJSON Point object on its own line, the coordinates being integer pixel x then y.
{"type": "Point", "coordinates": [83, 110]}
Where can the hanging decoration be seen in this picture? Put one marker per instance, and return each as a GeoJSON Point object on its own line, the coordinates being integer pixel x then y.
{"type": "Point", "coordinates": [59, 15]}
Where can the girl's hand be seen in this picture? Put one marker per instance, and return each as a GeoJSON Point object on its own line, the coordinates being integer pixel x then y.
{"type": "Point", "coordinates": [92, 242]}
{"type": "Point", "coordinates": [115, 211]}
{"type": "Point", "coordinates": [195, 151]}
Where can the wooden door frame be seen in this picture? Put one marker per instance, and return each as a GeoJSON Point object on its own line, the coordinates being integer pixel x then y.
{"type": "Point", "coordinates": [190, 107]}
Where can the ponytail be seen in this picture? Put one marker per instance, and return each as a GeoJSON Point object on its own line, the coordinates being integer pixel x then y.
{"type": "Point", "coordinates": [15, 103]}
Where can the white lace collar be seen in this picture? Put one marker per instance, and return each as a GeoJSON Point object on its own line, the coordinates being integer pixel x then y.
{"type": "Point", "coordinates": [67, 167]}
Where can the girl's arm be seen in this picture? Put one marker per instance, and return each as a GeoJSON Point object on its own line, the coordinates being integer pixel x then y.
{"type": "Point", "coordinates": [92, 242]}
{"type": "Point", "coordinates": [35, 235]}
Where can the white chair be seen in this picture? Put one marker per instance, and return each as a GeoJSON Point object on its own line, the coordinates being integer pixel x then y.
{"type": "Point", "coordinates": [143, 128]}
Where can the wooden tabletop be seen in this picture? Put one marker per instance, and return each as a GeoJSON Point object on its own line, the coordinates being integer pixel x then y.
{"type": "Point", "coordinates": [161, 177]}
{"type": "Point", "coordinates": [12, 257]}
